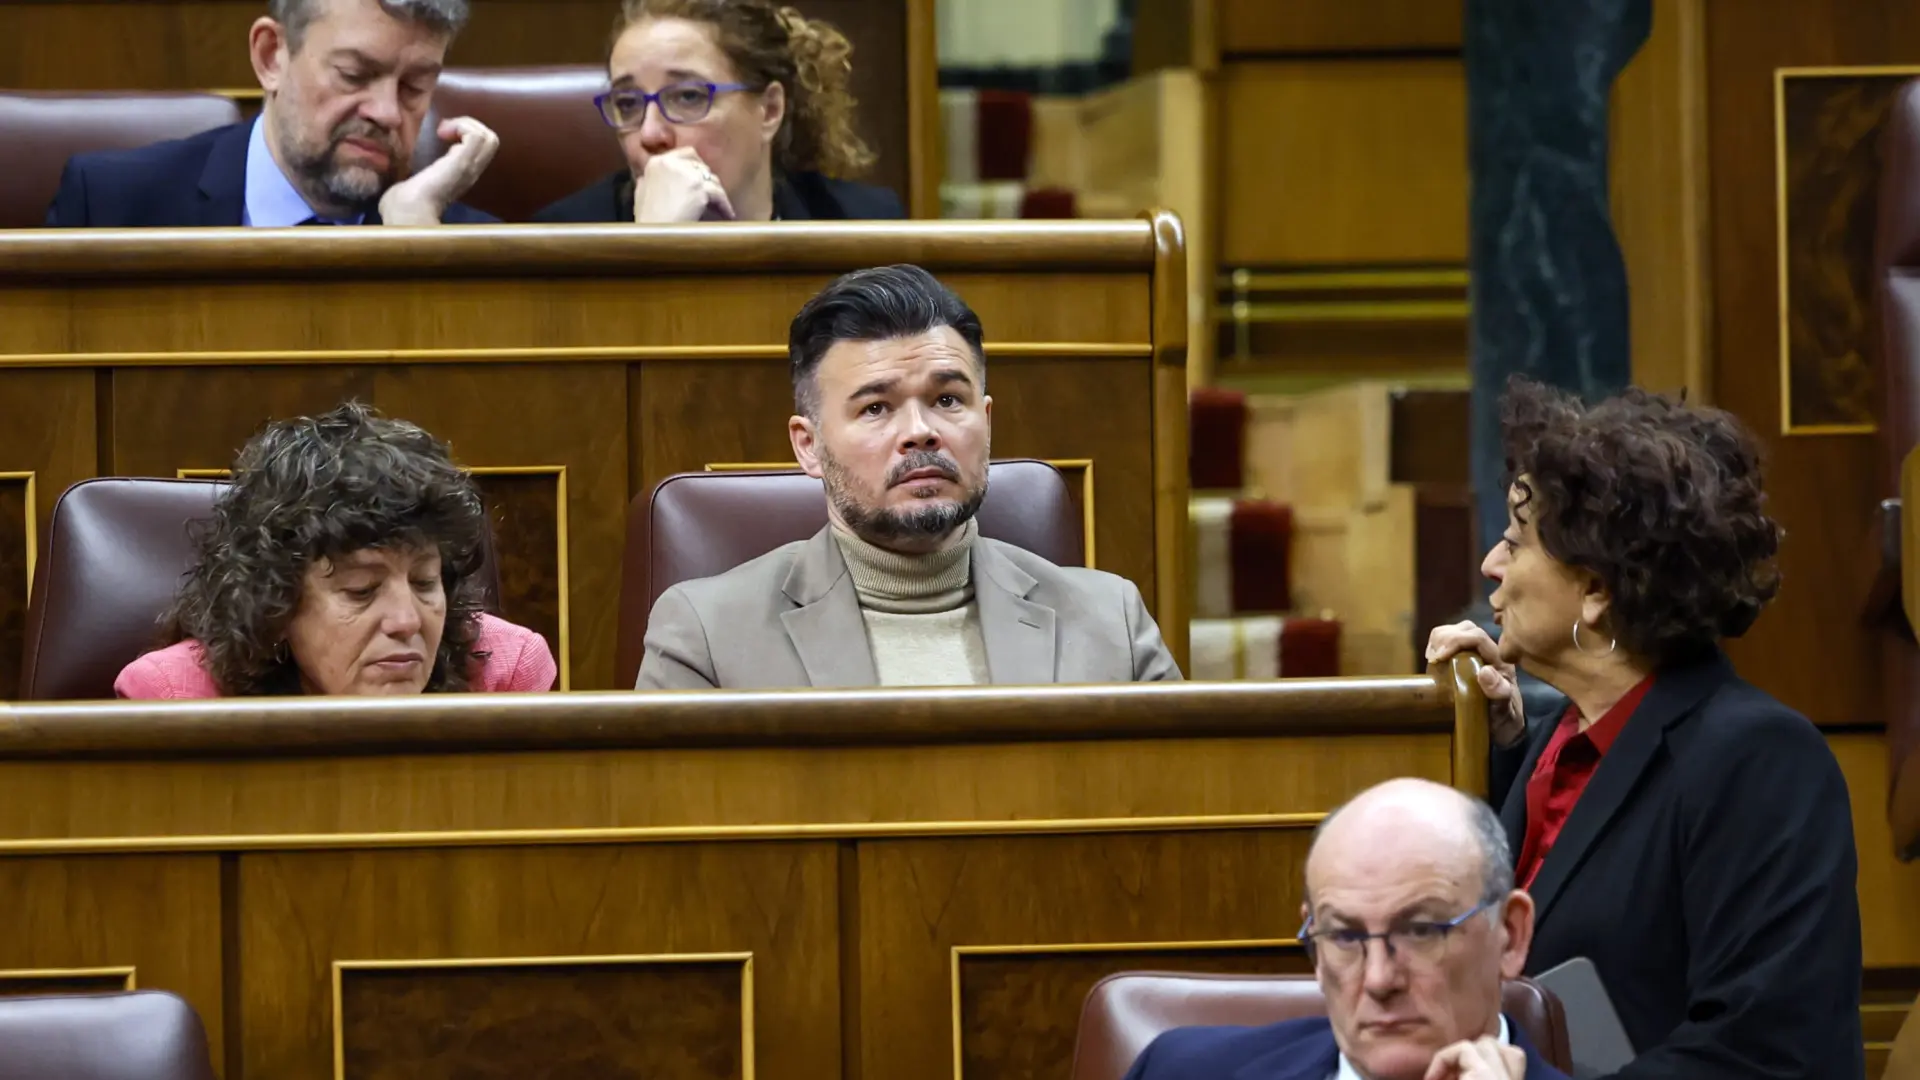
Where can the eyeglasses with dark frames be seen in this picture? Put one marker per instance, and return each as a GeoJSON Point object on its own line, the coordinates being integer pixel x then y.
{"type": "Point", "coordinates": [1422, 942]}
{"type": "Point", "coordinates": [680, 103]}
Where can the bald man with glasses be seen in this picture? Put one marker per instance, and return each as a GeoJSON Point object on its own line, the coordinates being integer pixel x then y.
{"type": "Point", "coordinates": [1413, 925]}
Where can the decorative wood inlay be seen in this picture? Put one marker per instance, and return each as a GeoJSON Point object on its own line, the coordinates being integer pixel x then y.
{"type": "Point", "coordinates": [39, 982]}
{"type": "Point", "coordinates": [664, 1017]}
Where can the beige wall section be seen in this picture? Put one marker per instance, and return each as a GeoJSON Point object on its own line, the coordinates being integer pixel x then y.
{"type": "Point", "coordinates": [1659, 188]}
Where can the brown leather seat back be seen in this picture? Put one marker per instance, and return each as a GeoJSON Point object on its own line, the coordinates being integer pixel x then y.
{"type": "Point", "coordinates": [114, 557]}
{"type": "Point", "coordinates": [1124, 1012]}
{"type": "Point", "coordinates": [695, 525]}
{"type": "Point", "coordinates": [142, 1035]}
{"type": "Point", "coordinates": [552, 140]}
{"type": "Point", "coordinates": [40, 131]}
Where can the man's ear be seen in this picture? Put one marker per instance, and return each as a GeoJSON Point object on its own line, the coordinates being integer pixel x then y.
{"type": "Point", "coordinates": [806, 448]}
{"type": "Point", "coordinates": [267, 48]}
{"type": "Point", "coordinates": [1516, 918]}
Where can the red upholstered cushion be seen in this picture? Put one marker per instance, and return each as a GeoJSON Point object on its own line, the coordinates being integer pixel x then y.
{"type": "Point", "coordinates": [1217, 424]}
{"type": "Point", "coordinates": [1310, 648]}
{"type": "Point", "coordinates": [1005, 134]}
{"type": "Point", "coordinates": [1259, 543]}
{"type": "Point", "coordinates": [1048, 204]}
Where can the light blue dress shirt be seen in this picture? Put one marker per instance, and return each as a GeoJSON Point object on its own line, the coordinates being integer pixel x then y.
{"type": "Point", "coordinates": [272, 200]}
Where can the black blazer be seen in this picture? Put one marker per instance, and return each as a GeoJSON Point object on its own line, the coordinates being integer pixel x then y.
{"type": "Point", "coordinates": [802, 196]}
{"type": "Point", "coordinates": [1708, 870]}
{"type": "Point", "coordinates": [201, 180]}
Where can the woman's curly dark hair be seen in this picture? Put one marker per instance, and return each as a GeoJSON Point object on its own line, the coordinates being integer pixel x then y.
{"type": "Point", "coordinates": [320, 487]}
{"type": "Point", "coordinates": [1661, 500]}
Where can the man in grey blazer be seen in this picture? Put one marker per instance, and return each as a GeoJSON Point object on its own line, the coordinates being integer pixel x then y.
{"type": "Point", "coordinates": [892, 415]}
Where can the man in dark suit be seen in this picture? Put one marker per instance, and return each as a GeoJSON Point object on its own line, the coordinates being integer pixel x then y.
{"type": "Point", "coordinates": [347, 84]}
{"type": "Point", "coordinates": [1413, 924]}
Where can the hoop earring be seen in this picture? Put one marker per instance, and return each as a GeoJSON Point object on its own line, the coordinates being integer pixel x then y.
{"type": "Point", "coordinates": [1612, 643]}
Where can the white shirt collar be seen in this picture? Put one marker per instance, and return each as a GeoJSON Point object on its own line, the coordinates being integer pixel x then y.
{"type": "Point", "coordinates": [1348, 1072]}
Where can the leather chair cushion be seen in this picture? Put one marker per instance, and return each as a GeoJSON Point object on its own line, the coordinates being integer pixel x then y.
{"type": "Point", "coordinates": [552, 140]}
{"type": "Point", "coordinates": [42, 130]}
{"type": "Point", "coordinates": [1125, 1011]}
{"type": "Point", "coordinates": [142, 1035]}
{"type": "Point", "coordinates": [114, 558]}
{"type": "Point", "coordinates": [695, 525]}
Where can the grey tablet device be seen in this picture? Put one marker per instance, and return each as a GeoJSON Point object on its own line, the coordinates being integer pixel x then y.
{"type": "Point", "coordinates": [1594, 1033]}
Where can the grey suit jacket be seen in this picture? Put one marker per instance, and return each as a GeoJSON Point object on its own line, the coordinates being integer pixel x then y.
{"type": "Point", "coordinates": [790, 618]}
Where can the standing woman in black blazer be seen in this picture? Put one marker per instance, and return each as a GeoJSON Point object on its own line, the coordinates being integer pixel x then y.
{"type": "Point", "coordinates": [728, 110]}
{"type": "Point", "coordinates": [1685, 831]}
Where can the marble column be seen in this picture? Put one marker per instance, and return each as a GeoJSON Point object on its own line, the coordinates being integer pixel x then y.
{"type": "Point", "coordinates": [1549, 287]}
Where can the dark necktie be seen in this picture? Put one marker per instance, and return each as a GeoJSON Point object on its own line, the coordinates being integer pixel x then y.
{"type": "Point", "coordinates": [317, 221]}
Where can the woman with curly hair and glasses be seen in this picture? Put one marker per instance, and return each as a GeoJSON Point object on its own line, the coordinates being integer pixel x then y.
{"type": "Point", "coordinates": [1677, 826]}
{"type": "Point", "coordinates": [728, 110]}
{"type": "Point", "coordinates": [343, 559]}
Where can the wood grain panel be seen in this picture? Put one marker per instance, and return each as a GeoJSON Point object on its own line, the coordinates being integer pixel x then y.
{"type": "Point", "coordinates": [921, 898]}
{"type": "Point", "coordinates": [522, 415]}
{"type": "Point", "coordinates": [1041, 410]}
{"type": "Point", "coordinates": [1812, 649]}
{"type": "Point", "coordinates": [1019, 1011]}
{"type": "Point", "coordinates": [47, 427]}
{"type": "Point", "coordinates": [157, 914]}
{"type": "Point", "coordinates": [16, 534]}
{"type": "Point", "coordinates": [185, 45]}
{"type": "Point", "coordinates": [164, 317]}
{"type": "Point", "coordinates": [696, 791]}
{"type": "Point", "coordinates": [743, 406]}
{"type": "Point", "coordinates": [303, 912]}
{"type": "Point", "coordinates": [1657, 161]}
{"type": "Point", "coordinates": [166, 419]}
{"type": "Point", "coordinates": [1341, 163]}
{"type": "Point", "coordinates": [617, 1020]}
{"type": "Point", "coordinates": [524, 510]}
{"type": "Point", "coordinates": [1336, 26]}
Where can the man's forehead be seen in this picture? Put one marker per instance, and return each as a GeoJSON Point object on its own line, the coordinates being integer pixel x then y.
{"type": "Point", "coordinates": [934, 351]}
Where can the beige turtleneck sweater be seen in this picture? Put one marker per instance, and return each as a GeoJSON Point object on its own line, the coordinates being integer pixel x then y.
{"type": "Point", "coordinates": [922, 622]}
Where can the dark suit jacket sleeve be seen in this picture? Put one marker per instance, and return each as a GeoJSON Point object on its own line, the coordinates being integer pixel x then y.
{"type": "Point", "coordinates": [69, 206]}
{"type": "Point", "coordinates": [1141, 1070]}
{"type": "Point", "coordinates": [462, 214]}
{"type": "Point", "coordinates": [1772, 918]}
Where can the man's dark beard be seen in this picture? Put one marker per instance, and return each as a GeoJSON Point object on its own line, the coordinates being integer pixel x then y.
{"type": "Point", "coordinates": [326, 176]}
{"type": "Point", "coordinates": [926, 522]}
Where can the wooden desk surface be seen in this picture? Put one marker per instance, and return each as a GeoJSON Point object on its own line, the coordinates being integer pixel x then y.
{"type": "Point", "coordinates": [572, 368]}
{"type": "Point", "coordinates": [870, 883]}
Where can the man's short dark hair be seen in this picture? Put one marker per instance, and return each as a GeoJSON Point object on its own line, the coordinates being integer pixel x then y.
{"type": "Point", "coordinates": [878, 304]}
{"type": "Point", "coordinates": [446, 16]}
